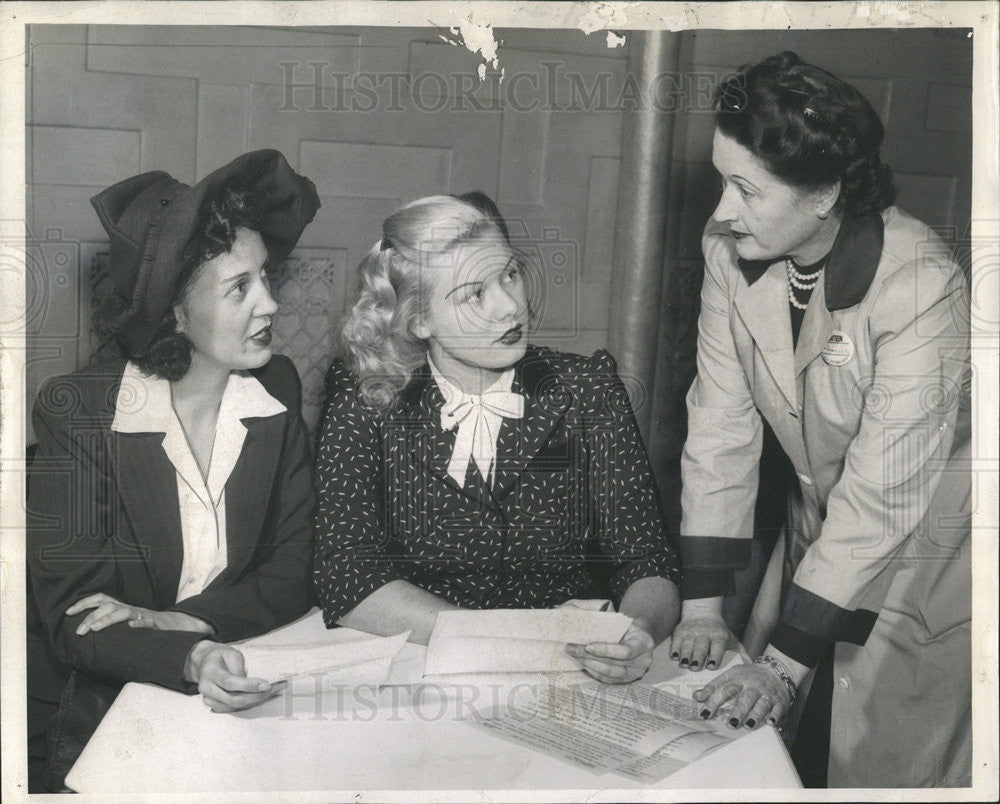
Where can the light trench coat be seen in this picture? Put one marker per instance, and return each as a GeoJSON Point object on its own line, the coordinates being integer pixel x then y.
{"type": "Point", "coordinates": [871, 408]}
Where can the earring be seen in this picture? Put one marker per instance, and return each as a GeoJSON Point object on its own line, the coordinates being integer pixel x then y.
{"type": "Point", "coordinates": [822, 215]}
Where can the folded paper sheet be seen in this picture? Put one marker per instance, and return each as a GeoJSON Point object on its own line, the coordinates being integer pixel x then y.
{"type": "Point", "coordinates": [364, 660]}
{"type": "Point", "coordinates": [516, 640]}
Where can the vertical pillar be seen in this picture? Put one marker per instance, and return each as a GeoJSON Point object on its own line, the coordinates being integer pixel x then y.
{"type": "Point", "coordinates": [637, 278]}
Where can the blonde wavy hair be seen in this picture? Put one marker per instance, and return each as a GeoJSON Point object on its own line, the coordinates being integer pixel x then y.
{"type": "Point", "coordinates": [379, 343]}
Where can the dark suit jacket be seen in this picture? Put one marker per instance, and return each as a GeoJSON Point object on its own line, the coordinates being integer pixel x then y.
{"type": "Point", "coordinates": [104, 517]}
{"type": "Point", "coordinates": [573, 493]}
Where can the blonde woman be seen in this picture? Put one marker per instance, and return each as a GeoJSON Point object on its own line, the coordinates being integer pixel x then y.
{"type": "Point", "coordinates": [458, 466]}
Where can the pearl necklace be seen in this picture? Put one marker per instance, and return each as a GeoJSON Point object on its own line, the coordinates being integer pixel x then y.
{"type": "Point", "coordinates": [804, 282]}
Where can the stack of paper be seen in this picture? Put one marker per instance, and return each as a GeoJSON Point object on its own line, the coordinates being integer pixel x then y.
{"type": "Point", "coordinates": [636, 730]}
{"type": "Point", "coordinates": [364, 661]}
{"type": "Point", "coordinates": [516, 640]}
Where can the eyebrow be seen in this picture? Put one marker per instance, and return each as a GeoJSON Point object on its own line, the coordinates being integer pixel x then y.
{"type": "Point", "coordinates": [234, 277]}
{"type": "Point", "coordinates": [737, 177]}
{"type": "Point", "coordinates": [459, 287]}
{"type": "Point", "coordinates": [746, 181]}
{"type": "Point", "coordinates": [468, 284]}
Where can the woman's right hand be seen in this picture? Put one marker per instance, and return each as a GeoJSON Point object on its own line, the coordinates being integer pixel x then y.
{"type": "Point", "coordinates": [220, 674]}
{"type": "Point", "coordinates": [702, 637]}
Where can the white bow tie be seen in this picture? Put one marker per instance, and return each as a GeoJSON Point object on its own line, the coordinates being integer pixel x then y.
{"type": "Point", "coordinates": [478, 418]}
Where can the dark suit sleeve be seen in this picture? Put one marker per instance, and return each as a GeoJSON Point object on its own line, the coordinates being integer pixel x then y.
{"type": "Point", "coordinates": [351, 559]}
{"type": "Point", "coordinates": [72, 546]}
{"type": "Point", "coordinates": [274, 590]}
{"type": "Point", "coordinates": [625, 497]}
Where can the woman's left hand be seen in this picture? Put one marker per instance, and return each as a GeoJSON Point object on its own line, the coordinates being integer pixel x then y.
{"type": "Point", "coordinates": [108, 611]}
{"type": "Point", "coordinates": [616, 662]}
{"type": "Point", "coordinates": [759, 696]}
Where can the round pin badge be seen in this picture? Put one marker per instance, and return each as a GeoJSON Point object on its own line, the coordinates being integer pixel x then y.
{"type": "Point", "coordinates": [839, 349]}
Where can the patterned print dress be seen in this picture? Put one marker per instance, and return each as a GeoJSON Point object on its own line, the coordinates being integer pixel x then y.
{"type": "Point", "coordinates": [573, 511]}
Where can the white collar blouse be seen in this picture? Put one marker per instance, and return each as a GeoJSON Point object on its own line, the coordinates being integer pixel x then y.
{"type": "Point", "coordinates": [144, 405]}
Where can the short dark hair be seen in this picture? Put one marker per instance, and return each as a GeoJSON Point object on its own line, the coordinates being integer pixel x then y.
{"type": "Point", "coordinates": [809, 128]}
{"type": "Point", "coordinates": [169, 353]}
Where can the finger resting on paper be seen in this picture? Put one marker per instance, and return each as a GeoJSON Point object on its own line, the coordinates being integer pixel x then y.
{"type": "Point", "coordinates": [716, 653]}
{"type": "Point", "coordinates": [722, 693]}
{"type": "Point", "coordinates": [243, 685]}
{"type": "Point", "coordinates": [758, 712]}
{"type": "Point", "coordinates": [604, 670]}
{"type": "Point", "coordinates": [699, 652]}
{"type": "Point", "coordinates": [776, 715]}
{"type": "Point", "coordinates": [216, 696]}
{"type": "Point", "coordinates": [684, 651]}
{"type": "Point", "coordinates": [620, 651]}
{"type": "Point", "coordinates": [744, 704]}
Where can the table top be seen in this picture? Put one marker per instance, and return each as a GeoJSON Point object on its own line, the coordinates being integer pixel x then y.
{"type": "Point", "coordinates": [414, 737]}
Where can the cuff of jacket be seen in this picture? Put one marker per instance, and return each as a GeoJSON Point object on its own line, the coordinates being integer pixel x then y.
{"type": "Point", "coordinates": [804, 648]}
{"type": "Point", "coordinates": [709, 563]}
{"type": "Point", "coordinates": [123, 653]}
{"type": "Point", "coordinates": [706, 583]}
{"type": "Point", "coordinates": [810, 624]}
{"type": "Point", "coordinates": [338, 592]}
{"type": "Point", "coordinates": [661, 565]}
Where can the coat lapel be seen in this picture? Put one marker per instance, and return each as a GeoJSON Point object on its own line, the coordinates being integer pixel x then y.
{"type": "Point", "coordinates": [545, 404]}
{"type": "Point", "coordinates": [763, 306]}
{"type": "Point", "coordinates": [518, 441]}
{"type": "Point", "coordinates": [246, 504]}
{"type": "Point", "coordinates": [416, 427]}
{"type": "Point", "coordinates": [817, 326]}
{"type": "Point", "coordinates": [147, 485]}
{"type": "Point", "coordinates": [850, 271]}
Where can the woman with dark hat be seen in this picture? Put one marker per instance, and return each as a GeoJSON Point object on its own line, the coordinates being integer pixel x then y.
{"type": "Point", "coordinates": [171, 495]}
{"type": "Point", "coordinates": [843, 322]}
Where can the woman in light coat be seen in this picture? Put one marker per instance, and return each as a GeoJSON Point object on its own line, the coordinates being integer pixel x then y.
{"type": "Point", "coordinates": [843, 322]}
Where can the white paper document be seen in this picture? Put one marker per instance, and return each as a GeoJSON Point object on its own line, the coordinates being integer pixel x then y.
{"type": "Point", "coordinates": [359, 661]}
{"type": "Point", "coordinates": [636, 730]}
{"type": "Point", "coordinates": [516, 640]}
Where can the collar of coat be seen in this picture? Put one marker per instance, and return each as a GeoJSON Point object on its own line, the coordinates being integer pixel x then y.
{"type": "Point", "coordinates": [423, 393]}
{"type": "Point", "coordinates": [851, 266]}
{"type": "Point", "coordinates": [546, 401]}
{"type": "Point", "coordinates": [143, 403]}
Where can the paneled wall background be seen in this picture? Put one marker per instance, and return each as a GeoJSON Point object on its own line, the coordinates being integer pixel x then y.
{"type": "Point", "coordinates": [375, 117]}
{"type": "Point", "coordinates": [378, 116]}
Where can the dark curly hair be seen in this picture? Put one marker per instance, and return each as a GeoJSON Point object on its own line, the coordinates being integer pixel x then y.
{"type": "Point", "coordinates": [169, 353]}
{"type": "Point", "coordinates": [809, 128]}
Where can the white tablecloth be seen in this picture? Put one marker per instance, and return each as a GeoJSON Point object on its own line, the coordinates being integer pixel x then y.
{"type": "Point", "coordinates": [398, 738]}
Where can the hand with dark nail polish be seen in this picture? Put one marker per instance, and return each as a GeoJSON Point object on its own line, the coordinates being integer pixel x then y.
{"type": "Point", "coordinates": [701, 636]}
